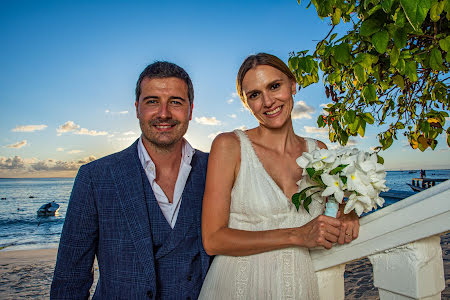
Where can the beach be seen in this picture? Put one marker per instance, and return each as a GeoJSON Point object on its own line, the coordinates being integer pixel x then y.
{"type": "Point", "coordinates": [27, 274]}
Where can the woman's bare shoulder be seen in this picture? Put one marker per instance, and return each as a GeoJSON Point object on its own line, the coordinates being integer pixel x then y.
{"type": "Point", "coordinates": [226, 143]}
{"type": "Point", "coordinates": [320, 144]}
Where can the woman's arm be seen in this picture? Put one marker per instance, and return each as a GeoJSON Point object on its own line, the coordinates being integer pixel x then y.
{"type": "Point", "coordinates": [223, 167]}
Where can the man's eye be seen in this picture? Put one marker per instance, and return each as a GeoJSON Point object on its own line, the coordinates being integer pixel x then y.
{"type": "Point", "coordinates": [176, 102]}
{"type": "Point", "coordinates": [151, 101]}
{"type": "Point", "coordinates": [275, 86]}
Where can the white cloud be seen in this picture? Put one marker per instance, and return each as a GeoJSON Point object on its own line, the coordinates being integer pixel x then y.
{"type": "Point", "coordinates": [11, 163]}
{"type": "Point", "coordinates": [233, 116]}
{"type": "Point", "coordinates": [29, 128]}
{"type": "Point", "coordinates": [213, 135]}
{"type": "Point", "coordinates": [302, 110]}
{"type": "Point", "coordinates": [310, 129]}
{"type": "Point", "coordinates": [70, 126]}
{"type": "Point", "coordinates": [67, 127]}
{"type": "Point", "coordinates": [75, 151]}
{"type": "Point", "coordinates": [243, 127]}
{"type": "Point", "coordinates": [129, 133]}
{"type": "Point", "coordinates": [208, 121]}
{"type": "Point", "coordinates": [235, 95]}
{"type": "Point", "coordinates": [59, 149]}
{"type": "Point", "coordinates": [84, 131]}
{"type": "Point", "coordinates": [229, 101]}
{"type": "Point", "coordinates": [18, 144]}
{"type": "Point", "coordinates": [122, 112]}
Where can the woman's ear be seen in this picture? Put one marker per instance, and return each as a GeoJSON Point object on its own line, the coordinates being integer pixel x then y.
{"type": "Point", "coordinates": [294, 87]}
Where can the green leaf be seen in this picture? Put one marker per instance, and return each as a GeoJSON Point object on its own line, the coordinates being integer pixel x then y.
{"type": "Point", "coordinates": [411, 70]}
{"type": "Point", "coordinates": [401, 66]}
{"type": "Point", "coordinates": [338, 169]}
{"type": "Point", "coordinates": [293, 63]}
{"type": "Point", "coordinates": [369, 93]}
{"type": "Point", "coordinates": [400, 17]}
{"type": "Point", "coordinates": [353, 127]}
{"type": "Point", "coordinates": [400, 38]}
{"type": "Point", "coordinates": [436, 59]}
{"type": "Point", "coordinates": [369, 27]}
{"type": "Point", "coordinates": [320, 122]}
{"type": "Point", "coordinates": [386, 5]}
{"type": "Point", "coordinates": [436, 10]}
{"type": "Point", "coordinates": [310, 172]}
{"type": "Point", "coordinates": [380, 41]}
{"type": "Point", "coordinates": [296, 200]}
{"type": "Point", "coordinates": [342, 53]}
{"type": "Point", "coordinates": [416, 11]}
{"type": "Point", "coordinates": [362, 127]}
{"type": "Point", "coordinates": [343, 179]}
{"type": "Point", "coordinates": [336, 16]}
{"type": "Point", "coordinates": [307, 202]}
{"type": "Point", "coordinates": [350, 116]}
{"type": "Point", "coordinates": [398, 80]}
{"type": "Point", "coordinates": [368, 118]}
{"type": "Point", "coordinates": [445, 44]}
{"type": "Point", "coordinates": [380, 160]}
{"type": "Point", "coordinates": [395, 53]}
{"type": "Point", "coordinates": [360, 73]}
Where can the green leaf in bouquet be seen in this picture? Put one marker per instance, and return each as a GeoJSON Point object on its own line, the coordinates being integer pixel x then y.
{"type": "Point", "coordinates": [344, 179]}
{"type": "Point", "coordinates": [296, 200]}
{"type": "Point", "coordinates": [338, 169]}
{"type": "Point", "coordinates": [307, 202]}
{"type": "Point", "coordinates": [310, 172]}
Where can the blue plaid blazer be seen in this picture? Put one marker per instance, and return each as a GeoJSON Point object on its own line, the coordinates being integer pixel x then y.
{"type": "Point", "coordinates": [107, 217]}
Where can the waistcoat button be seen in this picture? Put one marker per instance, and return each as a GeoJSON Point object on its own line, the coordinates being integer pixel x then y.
{"type": "Point", "coordinates": [150, 294]}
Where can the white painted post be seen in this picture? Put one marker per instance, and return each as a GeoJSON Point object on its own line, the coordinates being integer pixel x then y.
{"type": "Point", "coordinates": [411, 271]}
{"type": "Point", "coordinates": [331, 283]}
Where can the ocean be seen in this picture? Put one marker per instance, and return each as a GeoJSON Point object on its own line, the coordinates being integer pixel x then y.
{"type": "Point", "coordinates": [20, 198]}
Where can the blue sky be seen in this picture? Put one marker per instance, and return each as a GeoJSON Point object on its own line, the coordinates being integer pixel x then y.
{"type": "Point", "coordinates": [68, 70]}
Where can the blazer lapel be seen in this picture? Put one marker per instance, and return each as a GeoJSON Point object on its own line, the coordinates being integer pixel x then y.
{"type": "Point", "coordinates": [126, 174]}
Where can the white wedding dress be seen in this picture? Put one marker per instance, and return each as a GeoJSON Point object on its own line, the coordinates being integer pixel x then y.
{"type": "Point", "coordinates": [257, 203]}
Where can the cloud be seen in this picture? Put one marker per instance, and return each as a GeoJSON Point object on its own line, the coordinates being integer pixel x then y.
{"type": "Point", "coordinates": [243, 127]}
{"type": "Point", "coordinates": [302, 110]}
{"type": "Point", "coordinates": [17, 145]}
{"type": "Point", "coordinates": [75, 151]}
{"type": "Point", "coordinates": [59, 165]}
{"type": "Point", "coordinates": [129, 133]}
{"type": "Point", "coordinates": [122, 112]}
{"type": "Point", "coordinates": [213, 135]}
{"type": "Point", "coordinates": [70, 126]}
{"type": "Point", "coordinates": [310, 129]}
{"type": "Point", "coordinates": [67, 127]}
{"type": "Point", "coordinates": [84, 131]}
{"type": "Point", "coordinates": [233, 116]}
{"type": "Point", "coordinates": [208, 121]}
{"type": "Point", "coordinates": [59, 149]}
{"type": "Point", "coordinates": [29, 128]}
{"type": "Point", "coordinates": [229, 101]}
{"type": "Point", "coordinates": [12, 163]}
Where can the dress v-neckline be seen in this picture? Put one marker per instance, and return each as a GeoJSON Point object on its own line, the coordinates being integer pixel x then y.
{"type": "Point", "coordinates": [267, 175]}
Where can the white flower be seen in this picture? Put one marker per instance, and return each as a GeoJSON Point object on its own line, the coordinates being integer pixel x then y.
{"type": "Point", "coordinates": [334, 186]}
{"type": "Point", "coordinates": [359, 203]}
{"type": "Point", "coordinates": [304, 160]}
{"type": "Point", "coordinates": [356, 180]}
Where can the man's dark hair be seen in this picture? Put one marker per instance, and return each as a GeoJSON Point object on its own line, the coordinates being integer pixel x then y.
{"type": "Point", "coordinates": [164, 69]}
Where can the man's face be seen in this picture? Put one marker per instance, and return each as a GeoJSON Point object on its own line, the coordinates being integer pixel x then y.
{"type": "Point", "coordinates": [163, 111]}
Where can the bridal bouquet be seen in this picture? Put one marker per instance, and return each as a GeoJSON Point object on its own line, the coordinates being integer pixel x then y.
{"type": "Point", "coordinates": [351, 173]}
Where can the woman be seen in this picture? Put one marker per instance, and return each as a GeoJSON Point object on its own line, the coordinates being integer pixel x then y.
{"type": "Point", "coordinates": [260, 241]}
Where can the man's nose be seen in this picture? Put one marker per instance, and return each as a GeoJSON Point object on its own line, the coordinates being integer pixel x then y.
{"type": "Point", "coordinates": [164, 111]}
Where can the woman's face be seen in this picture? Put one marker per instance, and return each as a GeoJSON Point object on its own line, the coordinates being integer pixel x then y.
{"type": "Point", "coordinates": [268, 93]}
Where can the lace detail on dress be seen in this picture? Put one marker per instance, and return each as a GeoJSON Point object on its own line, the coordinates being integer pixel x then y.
{"type": "Point", "coordinates": [242, 277]}
{"type": "Point", "coordinates": [287, 257]}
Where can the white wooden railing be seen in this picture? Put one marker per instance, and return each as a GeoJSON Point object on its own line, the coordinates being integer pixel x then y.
{"type": "Point", "coordinates": [402, 241]}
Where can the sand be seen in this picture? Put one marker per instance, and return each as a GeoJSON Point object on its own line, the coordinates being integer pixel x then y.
{"type": "Point", "coordinates": [27, 274]}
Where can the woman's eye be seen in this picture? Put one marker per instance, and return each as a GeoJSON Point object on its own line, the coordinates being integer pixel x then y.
{"type": "Point", "coordinates": [253, 95]}
{"type": "Point", "coordinates": [275, 86]}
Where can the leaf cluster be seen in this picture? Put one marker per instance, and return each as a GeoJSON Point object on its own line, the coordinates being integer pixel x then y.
{"type": "Point", "coordinates": [391, 68]}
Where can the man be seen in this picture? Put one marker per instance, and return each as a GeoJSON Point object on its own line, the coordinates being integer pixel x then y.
{"type": "Point", "coordinates": [138, 211]}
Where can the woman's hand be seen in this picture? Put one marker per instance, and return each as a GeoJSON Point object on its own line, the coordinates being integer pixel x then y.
{"type": "Point", "coordinates": [349, 226]}
{"type": "Point", "coordinates": [321, 231]}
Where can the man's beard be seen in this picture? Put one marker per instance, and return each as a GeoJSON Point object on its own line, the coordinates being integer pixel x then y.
{"type": "Point", "coordinates": [158, 140]}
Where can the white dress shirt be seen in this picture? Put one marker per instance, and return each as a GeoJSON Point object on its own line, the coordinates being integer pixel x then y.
{"type": "Point", "coordinates": [169, 210]}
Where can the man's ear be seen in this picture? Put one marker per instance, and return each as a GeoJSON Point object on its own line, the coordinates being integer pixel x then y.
{"type": "Point", "coordinates": [137, 108]}
{"type": "Point", "coordinates": [192, 107]}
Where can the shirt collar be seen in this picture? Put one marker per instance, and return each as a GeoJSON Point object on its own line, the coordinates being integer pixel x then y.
{"type": "Point", "coordinates": [187, 152]}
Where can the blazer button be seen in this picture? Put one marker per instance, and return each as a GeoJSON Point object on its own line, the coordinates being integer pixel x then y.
{"type": "Point", "coordinates": [150, 294]}
{"type": "Point", "coordinates": [189, 278]}
{"type": "Point", "coordinates": [188, 298]}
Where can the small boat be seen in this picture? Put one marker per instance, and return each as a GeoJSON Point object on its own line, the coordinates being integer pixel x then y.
{"type": "Point", "coordinates": [49, 209]}
{"type": "Point", "coordinates": [420, 184]}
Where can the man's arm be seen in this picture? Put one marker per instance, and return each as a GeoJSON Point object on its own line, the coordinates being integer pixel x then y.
{"type": "Point", "coordinates": [73, 274]}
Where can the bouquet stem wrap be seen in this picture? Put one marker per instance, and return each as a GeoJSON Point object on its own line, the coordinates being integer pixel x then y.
{"type": "Point", "coordinates": [331, 207]}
